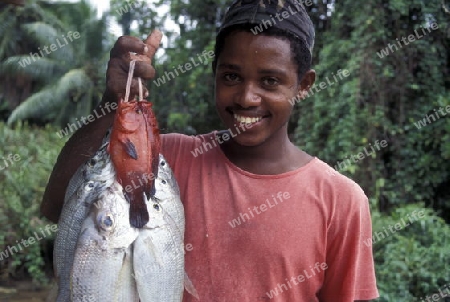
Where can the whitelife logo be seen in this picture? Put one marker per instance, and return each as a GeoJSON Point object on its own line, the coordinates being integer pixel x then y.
{"type": "Point", "coordinates": [72, 127]}
{"type": "Point", "coordinates": [322, 85]}
{"type": "Point", "coordinates": [404, 41]}
{"type": "Point", "coordinates": [11, 250]}
{"type": "Point", "coordinates": [398, 226]}
{"type": "Point", "coordinates": [53, 47]}
{"type": "Point", "coordinates": [281, 196]}
{"type": "Point", "coordinates": [12, 158]}
{"type": "Point", "coordinates": [220, 139]}
{"type": "Point", "coordinates": [427, 119]}
{"type": "Point", "coordinates": [280, 17]}
{"type": "Point", "coordinates": [368, 151]}
{"type": "Point", "coordinates": [169, 75]}
{"type": "Point", "coordinates": [307, 274]}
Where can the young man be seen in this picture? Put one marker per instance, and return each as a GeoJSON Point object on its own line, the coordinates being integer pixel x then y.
{"type": "Point", "coordinates": [264, 219]}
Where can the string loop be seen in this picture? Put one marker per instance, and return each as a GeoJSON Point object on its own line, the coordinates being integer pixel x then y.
{"type": "Point", "coordinates": [129, 79]}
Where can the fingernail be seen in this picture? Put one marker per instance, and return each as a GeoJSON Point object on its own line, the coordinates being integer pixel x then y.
{"type": "Point", "coordinates": [145, 49]}
{"type": "Point", "coordinates": [146, 94]}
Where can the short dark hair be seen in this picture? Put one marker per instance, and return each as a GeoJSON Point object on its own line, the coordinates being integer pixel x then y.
{"type": "Point", "coordinates": [300, 53]}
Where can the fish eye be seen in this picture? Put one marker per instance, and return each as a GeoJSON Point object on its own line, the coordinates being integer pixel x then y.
{"type": "Point", "coordinates": [156, 207]}
{"type": "Point", "coordinates": [105, 221]}
{"type": "Point", "coordinates": [163, 181]}
{"type": "Point", "coordinates": [91, 162]}
{"type": "Point", "coordinates": [89, 186]}
{"type": "Point", "coordinates": [138, 110]}
{"type": "Point", "coordinates": [163, 163]}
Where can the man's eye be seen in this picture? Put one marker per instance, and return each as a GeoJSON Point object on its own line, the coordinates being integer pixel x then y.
{"type": "Point", "coordinates": [231, 77]}
{"type": "Point", "coordinates": [270, 81]}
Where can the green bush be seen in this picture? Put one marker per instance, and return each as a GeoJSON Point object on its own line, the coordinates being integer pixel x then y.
{"type": "Point", "coordinates": [413, 262]}
{"type": "Point", "coordinates": [26, 161]}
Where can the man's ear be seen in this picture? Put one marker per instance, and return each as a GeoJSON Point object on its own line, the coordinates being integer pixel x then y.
{"type": "Point", "coordinates": [306, 83]}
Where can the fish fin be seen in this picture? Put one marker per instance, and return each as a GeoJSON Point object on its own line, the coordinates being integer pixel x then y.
{"type": "Point", "coordinates": [189, 286]}
{"type": "Point", "coordinates": [173, 227]}
{"type": "Point", "coordinates": [138, 212]}
{"type": "Point", "coordinates": [152, 249]}
{"type": "Point", "coordinates": [130, 148]}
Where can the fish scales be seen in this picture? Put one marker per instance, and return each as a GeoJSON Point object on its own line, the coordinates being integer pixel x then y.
{"type": "Point", "coordinates": [88, 181]}
{"type": "Point", "coordinates": [102, 268]}
{"type": "Point", "coordinates": [106, 258]}
{"type": "Point", "coordinates": [159, 250]}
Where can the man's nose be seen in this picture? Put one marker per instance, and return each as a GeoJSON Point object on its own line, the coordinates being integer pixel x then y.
{"type": "Point", "coordinates": [250, 96]}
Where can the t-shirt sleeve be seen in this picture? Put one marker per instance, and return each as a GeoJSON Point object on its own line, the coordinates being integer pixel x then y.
{"type": "Point", "coordinates": [176, 149]}
{"type": "Point", "coordinates": [351, 274]}
{"type": "Point", "coordinates": [174, 146]}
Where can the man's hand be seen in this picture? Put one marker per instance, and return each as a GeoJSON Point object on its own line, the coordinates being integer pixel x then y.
{"type": "Point", "coordinates": [126, 49]}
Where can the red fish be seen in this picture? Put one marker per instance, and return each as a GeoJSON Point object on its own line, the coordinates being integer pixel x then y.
{"type": "Point", "coordinates": [134, 149]}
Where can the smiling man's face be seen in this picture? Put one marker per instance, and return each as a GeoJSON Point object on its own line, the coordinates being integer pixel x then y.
{"type": "Point", "coordinates": [255, 78]}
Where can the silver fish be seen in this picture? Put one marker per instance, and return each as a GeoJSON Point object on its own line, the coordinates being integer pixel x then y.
{"type": "Point", "coordinates": [158, 250]}
{"type": "Point", "coordinates": [102, 269]}
{"type": "Point", "coordinates": [83, 189]}
{"type": "Point", "coordinates": [98, 256]}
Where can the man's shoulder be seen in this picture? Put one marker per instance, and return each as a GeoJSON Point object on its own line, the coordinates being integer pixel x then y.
{"type": "Point", "coordinates": [337, 185]}
{"type": "Point", "coordinates": [178, 147]}
{"type": "Point", "coordinates": [177, 140]}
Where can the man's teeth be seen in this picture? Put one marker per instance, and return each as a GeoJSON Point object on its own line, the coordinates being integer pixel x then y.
{"type": "Point", "coordinates": [246, 120]}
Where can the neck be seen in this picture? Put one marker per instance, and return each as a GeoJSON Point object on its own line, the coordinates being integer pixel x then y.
{"type": "Point", "coordinates": [274, 156]}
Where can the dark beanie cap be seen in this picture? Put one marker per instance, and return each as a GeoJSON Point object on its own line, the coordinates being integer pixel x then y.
{"type": "Point", "coordinates": [288, 15]}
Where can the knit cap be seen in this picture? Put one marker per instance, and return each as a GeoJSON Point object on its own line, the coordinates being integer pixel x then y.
{"type": "Point", "coordinates": [288, 15]}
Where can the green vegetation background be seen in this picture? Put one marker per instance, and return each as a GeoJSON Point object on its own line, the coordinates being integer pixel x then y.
{"type": "Point", "coordinates": [382, 99]}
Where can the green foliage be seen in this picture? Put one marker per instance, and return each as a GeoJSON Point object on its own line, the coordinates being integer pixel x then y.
{"type": "Point", "coordinates": [69, 77]}
{"type": "Point", "coordinates": [382, 99]}
{"type": "Point", "coordinates": [23, 183]}
{"type": "Point", "coordinates": [412, 262]}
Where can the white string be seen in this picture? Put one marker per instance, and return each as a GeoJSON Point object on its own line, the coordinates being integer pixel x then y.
{"type": "Point", "coordinates": [141, 93]}
{"type": "Point", "coordinates": [130, 77]}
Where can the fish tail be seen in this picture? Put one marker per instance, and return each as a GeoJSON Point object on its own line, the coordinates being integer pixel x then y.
{"type": "Point", "coordinates": [138, 212]}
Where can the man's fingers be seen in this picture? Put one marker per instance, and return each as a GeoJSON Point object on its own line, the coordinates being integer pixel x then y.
{"type": "Point", "coordinates": [117, 86]}
{"type": "Point", "coordinates": [144, 70]}
{"type": "Point", "coordinates": [129, 48]}
{"type": "Point", "coordinates": [153, 41]}
{"type": "Point", "coordinates": [119, 68]}
{"type": "Point", "coordinates": [126, 44]}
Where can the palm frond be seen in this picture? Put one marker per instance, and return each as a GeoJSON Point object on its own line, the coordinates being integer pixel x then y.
{"type": "Point", "coordinates": [53, 98]}
{"type": "Point", "coordinates": [42, 32]}
{"type": "Point", "coordinates": [52, 42]}
{"type": "Point", "coordinates": [74, 82]}
{"type": "Point", "coordinates": [37, 105]}
{"type": "Point", "coordinates": [38, 9]}
{"type": "Point", "coordinates": [38, 68]}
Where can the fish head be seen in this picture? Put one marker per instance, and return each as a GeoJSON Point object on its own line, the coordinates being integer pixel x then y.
{"type": "Point", "coordinates": [99, 167]}
{"type": "Point", "coordinates": [111, 221]}
{"type": "Point", "coordinates": [156, 214]}
{"type": "Point", "coordinates": [132, 115]}
{"type": "Point", "coordinates": [166, 185]}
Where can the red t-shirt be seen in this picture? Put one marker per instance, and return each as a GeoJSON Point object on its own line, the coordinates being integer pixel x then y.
{"type": "Point", "coordinates": [294, 237]}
